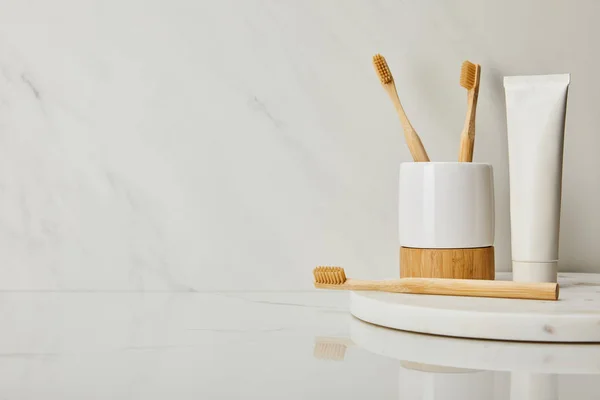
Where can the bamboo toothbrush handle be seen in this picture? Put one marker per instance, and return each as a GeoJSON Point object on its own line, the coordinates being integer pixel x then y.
{"type": "Point", "coordinates": [467, 143]}
{"type": "Point", "coordinates": [417, 150]}
{"type": "Point", "coordinates": [467, 137]}
{"type": "Point", "coordinates": [461, 287]}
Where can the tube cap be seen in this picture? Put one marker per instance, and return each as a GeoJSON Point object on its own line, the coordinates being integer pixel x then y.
{"type": "Point", "coordinates": [535, 271]}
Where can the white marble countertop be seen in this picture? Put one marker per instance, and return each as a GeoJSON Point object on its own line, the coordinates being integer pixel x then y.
{"type": "Point", "coordinates": [233, 345]}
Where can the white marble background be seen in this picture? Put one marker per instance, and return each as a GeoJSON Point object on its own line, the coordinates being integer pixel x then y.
{"type": "Point", "coordinates": [226, 145]}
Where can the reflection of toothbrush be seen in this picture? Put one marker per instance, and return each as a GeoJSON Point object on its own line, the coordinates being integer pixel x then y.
{"type": "Point", "coordinates": [387, 81]}
{"type": "Point", "coordinates": [335, 278]}
{"type": "Point", "coordinates": [469, 79]}
{"type": "Point", "coordinates": [331, 348]}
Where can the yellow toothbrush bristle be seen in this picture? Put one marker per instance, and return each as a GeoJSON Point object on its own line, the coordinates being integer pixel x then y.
{"type": "Point", "coordinates": [382, 69]}
{"type": "Point", "coordinates": [468, 75]}
{"type": "Point", "coordinates": [329, 275]}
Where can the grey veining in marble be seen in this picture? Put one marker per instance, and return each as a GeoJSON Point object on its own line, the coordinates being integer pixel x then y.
{"type": "Point", "coordinates": [201, 145]}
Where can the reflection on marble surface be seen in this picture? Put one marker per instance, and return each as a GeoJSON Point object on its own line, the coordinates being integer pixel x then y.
{"type": "Point", "coordinates": [230, 345]}
{"type": "Point", "coordinates": [471, 354]}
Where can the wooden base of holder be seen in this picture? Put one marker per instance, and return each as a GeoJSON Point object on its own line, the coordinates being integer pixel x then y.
{"type": "Point", "coordinates": [474, 263]}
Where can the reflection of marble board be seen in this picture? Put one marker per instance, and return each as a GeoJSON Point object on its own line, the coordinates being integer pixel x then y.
{"type": "Point", "coordinates": [575, 317]}
{"type": "Point", "coordinates": [450, 354]}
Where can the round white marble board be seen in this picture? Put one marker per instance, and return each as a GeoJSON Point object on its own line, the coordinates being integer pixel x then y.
{"type": "Point", "coordinates": [575, 317]}
{"type": "Point", "coordinates": [475, 354]}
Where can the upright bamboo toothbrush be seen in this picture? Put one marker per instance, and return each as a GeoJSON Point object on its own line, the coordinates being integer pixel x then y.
{"type": "Point", "coordinates": [335, 278]}
{"type": "Point", "coordinates": [469, 79]}
{"type": "Point", "coordinates": [387, 81]}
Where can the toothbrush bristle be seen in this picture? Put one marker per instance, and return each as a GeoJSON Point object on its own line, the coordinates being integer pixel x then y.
{"type": "Point", "coordinates": [468, 74]}
{"type": "Point", "coordinates": [329, 275]}
{"type": "Point", "coordinates": [382, 69]}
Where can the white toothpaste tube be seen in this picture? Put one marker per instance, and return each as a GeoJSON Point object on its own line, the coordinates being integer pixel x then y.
{"type": "Point", "coordinates": [535, 119]}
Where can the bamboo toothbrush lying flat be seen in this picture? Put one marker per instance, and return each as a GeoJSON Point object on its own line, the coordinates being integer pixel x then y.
{"type": "Point", "coordinates": [335, 278]}
{"type": "Point", "coordinates": [387, 80]}
{"type": "Point", "coordinates": [469, 79]}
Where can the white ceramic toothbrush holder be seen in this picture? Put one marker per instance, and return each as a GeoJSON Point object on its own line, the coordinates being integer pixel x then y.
{"type": "Point", "coordinates": [446, 220]}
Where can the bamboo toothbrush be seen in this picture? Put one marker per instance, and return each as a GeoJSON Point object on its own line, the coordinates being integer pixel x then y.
{"type": "Point", "coordinates": [469, 79]}
{"type": "Point", "coordinates": [335, 278]}
{"type": "Point", "coordinates": [387, 81]}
